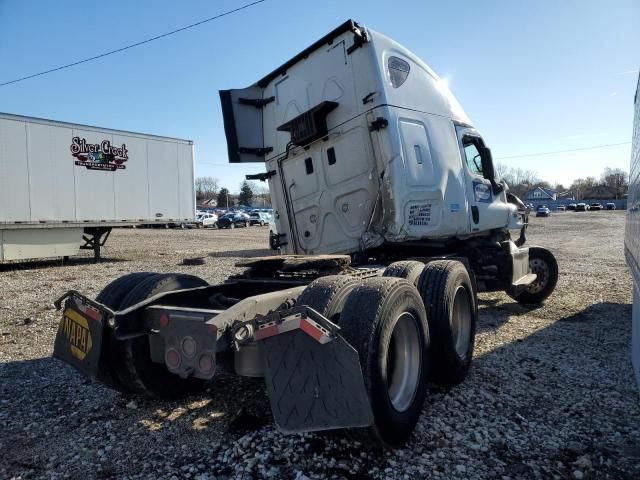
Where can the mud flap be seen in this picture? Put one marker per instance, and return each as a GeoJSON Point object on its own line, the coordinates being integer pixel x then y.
{"type": "Point", "coordinates": [312, 385]}
{"type": "Point", "coordinates": [79, 338]}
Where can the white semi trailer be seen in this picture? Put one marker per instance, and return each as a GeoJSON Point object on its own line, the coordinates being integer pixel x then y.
{"type": "Point", "coordinates": [64, 186]}
{"type": "Point", "coordinates": [632, 234]}
{"type": "Point", "coordinates": [387, 200]}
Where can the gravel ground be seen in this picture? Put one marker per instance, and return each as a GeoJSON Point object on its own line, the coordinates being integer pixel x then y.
{"type": "Point", "coordinates": [550, 394]}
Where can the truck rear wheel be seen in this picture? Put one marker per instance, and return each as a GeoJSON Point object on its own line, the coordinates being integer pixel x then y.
{"type": "Point", "coordinates": [111, 296]}
{"type": "Point", "coordinates": [450, 301]}
{"type": "Point", "coordinates": [410, 270]}
{"type": "Point", "coordinates": [544, 265]}
{"type": "Point", "coordinates": [385, 321]}
{"type": "Point", "coordinates": [327, 295]}
{"type": "Point", "coordinates": [132, 358]}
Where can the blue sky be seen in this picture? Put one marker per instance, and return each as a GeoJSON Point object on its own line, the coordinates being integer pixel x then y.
{"type": "Point", "coordinates": [534, 76]}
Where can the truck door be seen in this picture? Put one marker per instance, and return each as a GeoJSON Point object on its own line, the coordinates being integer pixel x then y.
{"type": "Point", "coordinates": [488, 207]}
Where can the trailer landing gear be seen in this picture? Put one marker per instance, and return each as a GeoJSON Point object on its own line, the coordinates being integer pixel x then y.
{"type": "Point", "coordinates": [94, 238]}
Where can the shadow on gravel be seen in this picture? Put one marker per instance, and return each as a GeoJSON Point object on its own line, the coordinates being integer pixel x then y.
{"type": "Point", "coordinates": [493, 314]}
{"type": "Point", "coordinates": [254, 252]}
{"type": "Point", "coordinates": [54, 263]}
{"type": "Point", "coordinates": [574, 378]}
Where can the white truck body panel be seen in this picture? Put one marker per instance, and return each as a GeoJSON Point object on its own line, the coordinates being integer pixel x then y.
{"type": "Point", "coordinates": [632, 234]}
{"type": "Point", "coordinates": [44, 185]}
{"type": "Point", "coordinates": [359, 186]}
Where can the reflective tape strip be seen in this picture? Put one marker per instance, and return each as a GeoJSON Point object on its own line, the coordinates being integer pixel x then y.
{"type": "Point", "coordinates": [308, 326]}
{"type": "Point", "coordinates": [266, 332]}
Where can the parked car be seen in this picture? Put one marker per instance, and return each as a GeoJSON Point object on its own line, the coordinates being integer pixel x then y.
{"type": "Point", "coordinates": [233, 220]}
{"type": "Point", "coordinates": [595, 207]}
{"type": "Point", "coordinates": [259, 218]}
{"type": "Point", "coordinates": [611, 206]}
{"type": "Point", "coordinates": [543, 211]}
{"type": "Point", "coordinates": [205, 220]}
{"type": "Point", "coordinates": [561, 208]}
{"type": "Point", "coordinates": [571, 206]}
{"type": "Point", "coordinates": [582, 207]}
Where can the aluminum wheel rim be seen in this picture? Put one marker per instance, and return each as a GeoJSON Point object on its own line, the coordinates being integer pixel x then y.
{"type": "Point", "coordinates": [541, 269]}
{"type": "Point", "coordinates": [403, 362]}
{"type": "Point", "coordinates": [461, 321]}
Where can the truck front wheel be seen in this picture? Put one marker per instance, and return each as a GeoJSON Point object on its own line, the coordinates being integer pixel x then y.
{"type": "Point", "coordinates": [450, 301]}
{"type": "Point", "coordinates": [544, 265]}
{"type": "Point", "coordinates": [385, 321]}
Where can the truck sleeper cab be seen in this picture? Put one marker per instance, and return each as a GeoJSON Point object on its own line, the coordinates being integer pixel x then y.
{"type": "Point", "coordinates": [364, 145]}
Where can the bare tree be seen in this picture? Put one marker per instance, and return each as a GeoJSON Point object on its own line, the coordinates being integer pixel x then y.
{"type": "Point", "coordinates": [261, 193]}
{"type": "Point", "coordinates": [206, 188]}
{"type": "Point", "coordinates": [616, 179]}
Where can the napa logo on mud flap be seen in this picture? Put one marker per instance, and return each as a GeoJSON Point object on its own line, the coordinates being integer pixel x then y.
{"type": "Point", "coordinates": [482, 192]}
{"type": "Point", "coordinates": [76, 329]}
{"type": "Point", "coordinates": [99, 156]}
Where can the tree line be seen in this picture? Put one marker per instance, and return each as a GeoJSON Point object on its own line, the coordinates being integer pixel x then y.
{"type": "Point", "coordinates": [251, 194]}
{"type": "Point", "coordinates": [521, 181]}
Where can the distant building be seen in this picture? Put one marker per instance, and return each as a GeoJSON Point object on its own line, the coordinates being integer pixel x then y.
{"type": "Point", "coordinates": [540, 193]}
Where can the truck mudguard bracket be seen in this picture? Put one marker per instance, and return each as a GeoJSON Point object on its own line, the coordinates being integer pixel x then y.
{"type": "Point", "coordinates": [378, 124]}
{"type": "Point", "coordinates": [258, 152]}
{"type": "Point", "coordinates": [261, 176]}
{"type": "Point", "coordinates": [359, 39]}
{"type": "Point", "coordinates": [256, 102]}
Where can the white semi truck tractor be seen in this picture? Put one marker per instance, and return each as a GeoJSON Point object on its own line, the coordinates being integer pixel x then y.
{"type": "Point", "coordinates": [390, 220]}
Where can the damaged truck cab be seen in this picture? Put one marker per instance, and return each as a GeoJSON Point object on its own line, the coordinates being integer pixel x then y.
{"type": "Point", "coordinates": [391, 219]}
{"type": "Point", "coordinates": [364, 145]}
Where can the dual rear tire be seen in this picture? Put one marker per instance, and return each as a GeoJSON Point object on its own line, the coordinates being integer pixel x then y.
{"type": "Point", "coordinates": [407, 331]}
{"type": "Point", "coordinates": [127, 364]}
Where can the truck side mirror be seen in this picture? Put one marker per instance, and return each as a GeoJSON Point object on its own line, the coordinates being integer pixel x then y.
{"type": "Point", "coordinates": [488, 170]}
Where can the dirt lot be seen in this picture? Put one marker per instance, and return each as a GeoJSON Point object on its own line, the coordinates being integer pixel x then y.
{"type": "Point", "coordinates": [550, 393]}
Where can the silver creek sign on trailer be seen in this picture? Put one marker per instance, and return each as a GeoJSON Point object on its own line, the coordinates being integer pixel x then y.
{"type": "Point", "coordinates": [632, 234]}
{"type": "Point", "coordinates": [59, 181]}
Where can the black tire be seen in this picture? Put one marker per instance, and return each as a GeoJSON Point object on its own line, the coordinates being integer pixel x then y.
{"type": "Point", "coordinates": [112, 296]}
{"type": "Point", "coordinates": [132, 358]}
{"type": "Point", "coordinates": [544, 264]}
{"type": "Point", "coordinates": [449, 298]}
{"type": "Point", "coordinates": [410, 270]}
{"type": "Point", "coordinates": [379, 313]}
{"type": "Point", "coordinates": [327, 295]}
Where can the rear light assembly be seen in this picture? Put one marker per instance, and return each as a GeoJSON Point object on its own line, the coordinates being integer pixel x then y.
{"type": "Point", "coordinates": [183, 341]}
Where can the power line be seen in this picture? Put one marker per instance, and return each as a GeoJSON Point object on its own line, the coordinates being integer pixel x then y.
{"type": "Point", "coordinates": [133, 45]}
{"type": "Point", "coordinates": [563, 151]}
{"type": "Point", "coordinates": [497, 158]}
